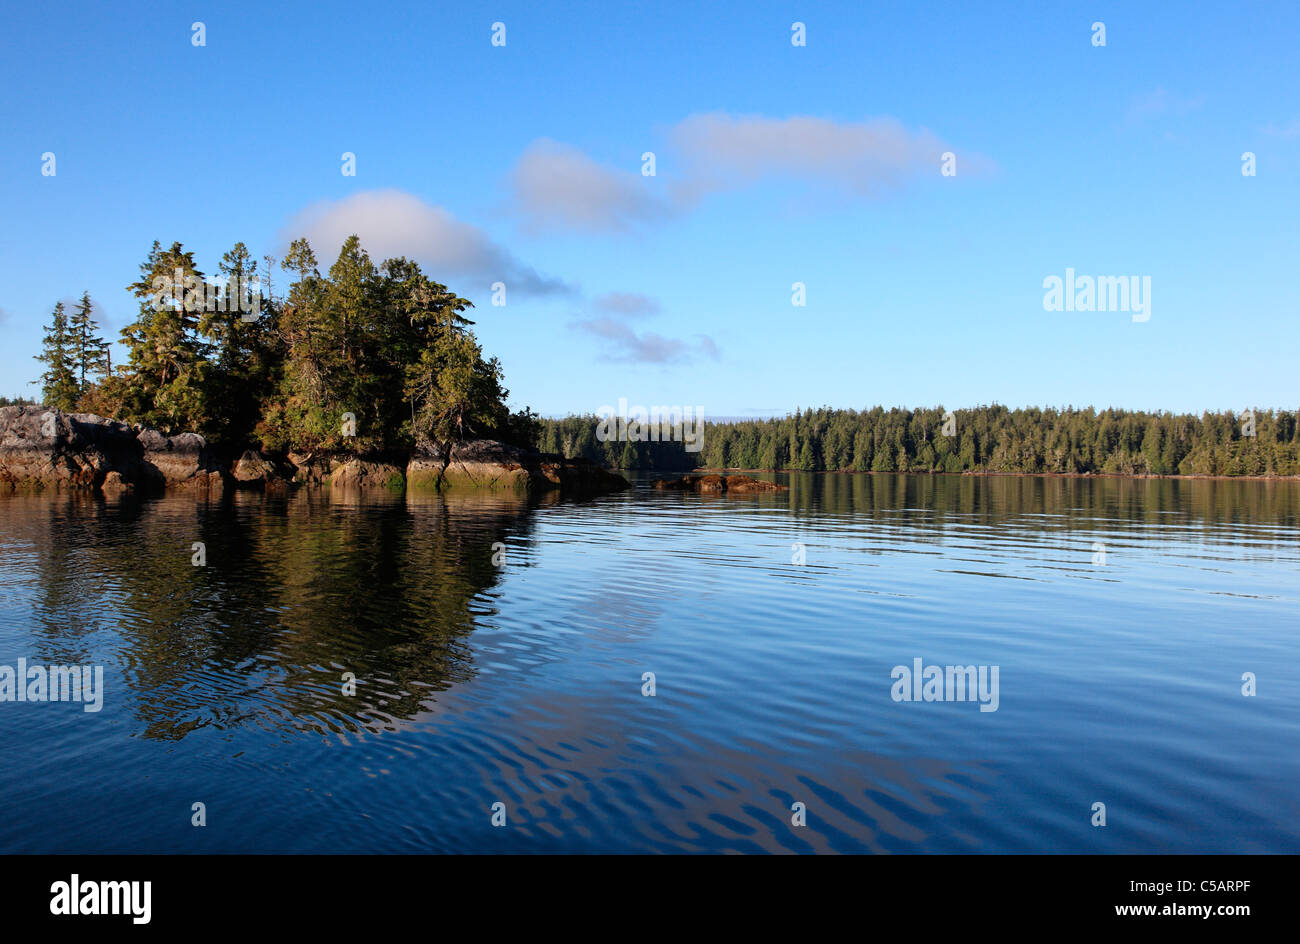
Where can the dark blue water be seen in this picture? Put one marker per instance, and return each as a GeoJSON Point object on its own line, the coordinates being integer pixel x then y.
{"type": "Point", "coordinates": [1120, 682]}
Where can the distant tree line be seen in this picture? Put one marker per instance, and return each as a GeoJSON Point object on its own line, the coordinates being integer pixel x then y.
{"type": "Point", "coordinates": [363, 358]}
{"type": "Point", "coordinates": [983, 439]}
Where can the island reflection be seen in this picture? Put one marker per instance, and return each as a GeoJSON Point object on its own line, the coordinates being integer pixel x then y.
{"type": "Point", "coordinates": [295, 592]}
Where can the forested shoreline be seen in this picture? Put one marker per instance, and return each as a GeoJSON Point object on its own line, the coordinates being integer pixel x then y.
{"type": "Point", "coordinates": [375, 360]}
{"type": "Point", "coordinates": [985, 439]}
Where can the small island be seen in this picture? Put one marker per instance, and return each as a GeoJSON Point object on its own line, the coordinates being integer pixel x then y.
{"type": "Point", "coordinates": [363, 377]}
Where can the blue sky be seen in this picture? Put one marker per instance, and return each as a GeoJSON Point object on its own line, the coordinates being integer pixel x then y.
{"type": "Point", "coordinates": [775, 164]}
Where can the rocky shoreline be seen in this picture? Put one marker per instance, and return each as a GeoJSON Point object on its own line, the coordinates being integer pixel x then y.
{"type": "Point", "coordinates": [49, 449]}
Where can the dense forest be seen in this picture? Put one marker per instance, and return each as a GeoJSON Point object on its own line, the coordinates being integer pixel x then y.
{"type": "Point", "coordinates": [361, 359]}
{"type": "Point", "coordinates": [375, 359]}
{"type": "Point", "coordinates": [983, 439]}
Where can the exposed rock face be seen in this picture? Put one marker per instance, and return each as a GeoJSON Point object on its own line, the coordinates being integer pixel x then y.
{"type": "Point", "coordinates": [358, 473]}
{"type": "Point", "coordinates": [486, 463]}
{"type": "Point", "coordinates": [309, 468]}
{"type": "Point", "coordinates": [175, 460]}
{"type": "Point", "coordinates": [478, 464]}
{"type": "Point", "coordinates": [42, 448]}
{"type": "Point", "coordinates": [252, 469]}
{"type": "Point", "coordinates": [717, 484]}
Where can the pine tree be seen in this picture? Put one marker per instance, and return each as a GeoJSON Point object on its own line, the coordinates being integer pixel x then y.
{"type": "Point", "coordinates": [807, 462]}
{"type": "Point", "coordinates": [59, 382]}
{"type": "Point", "coordinates": [167, 357]}
{"type": "Point", "coordinates": [90, 355]}
{"type": "Point", "coordinates": [245, 352]}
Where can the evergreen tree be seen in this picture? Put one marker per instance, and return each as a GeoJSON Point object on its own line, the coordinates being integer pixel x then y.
{"type": "Point", "coordinates": [167, 358]}
{"type": "Point", "coordinates": [244, 350]}
{"type": "Point", "coordinates": [90, 354]}
{"type": "Point", "coordinates": [59, 381]}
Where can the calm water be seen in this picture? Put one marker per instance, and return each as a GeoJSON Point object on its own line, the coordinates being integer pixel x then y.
{"type": "Point", "coordinates": [1120, 682]}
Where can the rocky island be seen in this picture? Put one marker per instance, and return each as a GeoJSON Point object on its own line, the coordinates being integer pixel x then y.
{"type": "Point", "coordinates": [364, 376]}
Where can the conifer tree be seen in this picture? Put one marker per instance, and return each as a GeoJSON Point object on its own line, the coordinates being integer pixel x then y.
{"type": "Point", "coordinates": [59, 381]}
{"type": "Point", "coordinates": [90, 353]}
{"type": "Point", "coordinates": [167, 357]}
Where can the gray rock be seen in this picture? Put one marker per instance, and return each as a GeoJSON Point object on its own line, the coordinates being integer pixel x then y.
{"type": "Point", "coordinates": [486, 463]}
{"type": "Point", "coordinates": [251, 467]}
{"type": "Point", "coordinates": [175, 460]}
{"type": "Point", "coordinates": [44, 448]}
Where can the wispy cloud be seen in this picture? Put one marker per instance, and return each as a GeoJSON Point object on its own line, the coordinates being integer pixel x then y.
{"type": "Point", "coordinates": [622, 343]}
{"type": "Point", "coordinates": [395, 223]}
{"type": "Point", "coordinates": [554, 186]}
{"type": "Point", "coordinates": [864, 158]}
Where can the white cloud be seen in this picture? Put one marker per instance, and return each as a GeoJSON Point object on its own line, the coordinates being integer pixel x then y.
{"type": "Point", "coordinates": [394, 223]}
{"type": "Point", "coordinates": [864, 158]}
{"type": "Point", "coordinates": [555, 186]}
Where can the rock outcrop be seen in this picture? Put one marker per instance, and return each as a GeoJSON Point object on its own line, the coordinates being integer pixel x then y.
{"type": "Point", "coordinates": [359, 473]}
{"type": "Point", "coordinates": [252, 469]}
{"type": "Point", "coordinates": [717, 484]}
{"type": "Point", "coordinates": [488, 464]}
{"type": "Point", "coordinates": [309, 468]}
{"type": "Point", "coordinates": [42, 448]}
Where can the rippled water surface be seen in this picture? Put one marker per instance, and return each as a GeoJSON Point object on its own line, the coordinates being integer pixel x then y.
{"type": "Point", "coordinates": [1121, 614]}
